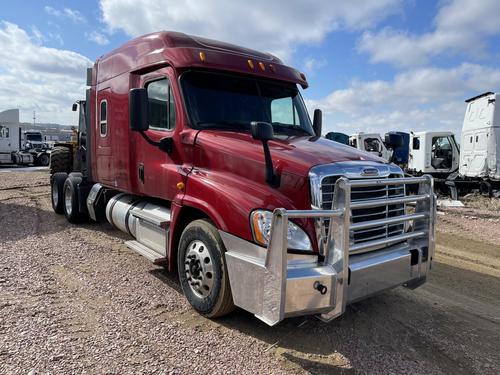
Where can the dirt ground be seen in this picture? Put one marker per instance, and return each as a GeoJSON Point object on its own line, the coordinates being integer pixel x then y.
{"type": "Point", "coordinates": [74, 299]}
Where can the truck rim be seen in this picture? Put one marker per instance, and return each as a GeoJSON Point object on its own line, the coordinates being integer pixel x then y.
{"type": "Point", "coordinates": [67, 201]}
{"type": "Point", "coordinates": [55, 194]}
{"type": "Point", "coordinates": [199, 269]}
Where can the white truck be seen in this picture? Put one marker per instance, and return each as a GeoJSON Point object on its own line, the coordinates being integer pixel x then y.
{"type": "Point", "coordinates": [434, 153]}
{"type": "Point", "coordinates": [479, 164]}
{"type": "Point", "coordinates": [32, 139]}
{"type": "Point", "coordinates": [13, 152]}
{"type": "Point", "coordinates": [372, 143]}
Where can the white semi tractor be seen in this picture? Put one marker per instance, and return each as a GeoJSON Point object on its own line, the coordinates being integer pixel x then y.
{"type": "Point", "coordinates": [16, 150]}
{"type": "Point", "coordinates": [479, 163]}
{"type": "Point", "coordinates": [433, 152]}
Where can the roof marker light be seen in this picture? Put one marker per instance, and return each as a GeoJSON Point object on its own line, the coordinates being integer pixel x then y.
{"type": "Point", "coordinates": [273, 69]}
{"type": "Point", "coordinates": [202, 56]}
{"type": "Point", "coordinates": [262, 66]}
{"type": "Point", "coordinates": [250, 63]}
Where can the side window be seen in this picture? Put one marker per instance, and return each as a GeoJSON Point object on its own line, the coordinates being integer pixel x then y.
{"type": "Point", "coordinates": [372, 145]}
{"type": "Point", "coordinates": [284, 112]}
{"type": "Point", "coordinates": [4, 132]}
{"type": "Point", "coordinates": [161, 105]}
{"type": "Point", "coordinates": [416, 143]}
{"type": "Point", "coordinates": [441, 146]}
{"type": "Point", "coordinates": [103, 122]}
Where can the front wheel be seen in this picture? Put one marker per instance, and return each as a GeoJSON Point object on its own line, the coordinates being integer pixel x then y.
{"type": "Point", "coordinates": [202, 270]}
{"type": "Point", "coordinates": [44, 159]}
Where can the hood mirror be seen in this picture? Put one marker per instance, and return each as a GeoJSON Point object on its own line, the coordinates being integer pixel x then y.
{"type": "Point", "coordinates": [262, 131]}
{"type": "Point", "coordinates": [317, 122]}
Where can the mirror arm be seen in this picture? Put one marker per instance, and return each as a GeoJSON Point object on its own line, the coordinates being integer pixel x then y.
{"type": "Point", "coordinates": [149, 140]}
{"type": "Point", "coordinates": [165, 144]}
{"type": "Point", "coordinates": [272, 178]}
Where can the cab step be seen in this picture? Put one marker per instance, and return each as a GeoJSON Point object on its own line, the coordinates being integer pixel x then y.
{"type": "Point", "coordinates": [145, 251]}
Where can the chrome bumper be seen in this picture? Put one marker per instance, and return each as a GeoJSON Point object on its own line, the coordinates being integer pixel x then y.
{"type": "Point", "coordinates": [273, 284]}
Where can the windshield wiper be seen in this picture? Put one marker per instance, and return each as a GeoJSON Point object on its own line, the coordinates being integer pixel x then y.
{"type": "Point", "coordinates": [228, 125]}
{"type": "Point", "coordinates": [277, 126]}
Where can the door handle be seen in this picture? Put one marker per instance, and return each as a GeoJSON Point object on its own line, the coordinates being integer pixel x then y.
{"type": "Point", "coordinates": [141, 172]}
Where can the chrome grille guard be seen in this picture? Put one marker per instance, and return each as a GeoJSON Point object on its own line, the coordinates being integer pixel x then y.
{"type": "Point", "coordinates": [269, 298]}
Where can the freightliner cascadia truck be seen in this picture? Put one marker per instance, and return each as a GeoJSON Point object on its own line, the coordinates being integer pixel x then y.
{"type": "Point", "coordinates": [204, 153]}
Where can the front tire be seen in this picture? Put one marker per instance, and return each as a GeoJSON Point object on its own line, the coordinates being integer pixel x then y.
{"type": "Point", "coordinates": [44, 160]}
{"type": "Point", "coordinates": [202, 269]}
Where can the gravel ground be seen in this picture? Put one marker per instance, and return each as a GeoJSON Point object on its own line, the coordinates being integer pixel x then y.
{"type": "Point", "coordinates": [74, 299]}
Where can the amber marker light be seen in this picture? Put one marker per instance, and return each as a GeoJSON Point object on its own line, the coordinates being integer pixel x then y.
{"type": "Point", "coordinates": [180, 185]}
{"type": "Point", "coordinates": [262, 66]}
{"type": "Point", "coordinates": [202, 56]}
{"type": "Point", "coordinates": [250, 64]}
{"type": "Point", "coordinates": [273, 69]}
{"type": "Point", "coordinates": [259, 236]}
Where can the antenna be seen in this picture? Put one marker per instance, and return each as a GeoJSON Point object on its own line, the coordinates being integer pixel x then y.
{"type": "Point", "coordinates": [34, 118]}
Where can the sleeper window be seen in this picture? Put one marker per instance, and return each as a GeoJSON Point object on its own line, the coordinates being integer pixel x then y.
{"type": "Point", "coordinates": [103, 123]}
{"type": "Point", "coordinates": [161, 105]}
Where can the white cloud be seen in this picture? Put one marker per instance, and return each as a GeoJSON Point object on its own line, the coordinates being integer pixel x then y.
{"type": "Point", "coordinates": [272, 26]}
{"type": "Point", "coordinates": [311, 65]}
{"type": "Point", "coordinates": [460, 27]}
{"type": "Point", "coordinates": [35, 77]}
{"type": "Point", "coordinates": [71, 14]}
{"type": "Point", "coordinates": [97, 37]}
{"type": "Point", "coordinates": [421, 99]}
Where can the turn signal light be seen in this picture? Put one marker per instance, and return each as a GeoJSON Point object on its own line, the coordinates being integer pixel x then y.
{"type": "Point", "coordinates": [180, 185]}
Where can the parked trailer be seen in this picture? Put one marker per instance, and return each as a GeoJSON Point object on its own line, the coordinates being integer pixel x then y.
{"type": "Point", "coordinates": [246, 201]}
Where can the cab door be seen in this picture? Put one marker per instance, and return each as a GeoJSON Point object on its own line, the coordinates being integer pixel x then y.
{"type": "Point", "coordinates": [104, 156]}
{"type": "Point", "coordinates": [443, 154]}
{"type": "Point", "coordinates": [7, 145]}
{"type": "Point", "coordinates": [157, 170]}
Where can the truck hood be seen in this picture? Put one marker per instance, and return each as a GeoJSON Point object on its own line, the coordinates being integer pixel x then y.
{"type": "Point", "coordinates": [229, 170]}
{"type": "Point", "coordinates": [296, 154]}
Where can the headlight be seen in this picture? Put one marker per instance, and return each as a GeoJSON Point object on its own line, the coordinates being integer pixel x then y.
{"type": "Point", "coordinates": [261, 226]}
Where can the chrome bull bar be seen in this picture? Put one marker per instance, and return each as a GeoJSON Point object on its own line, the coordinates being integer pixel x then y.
{"type": "Point", "coordinates": [266, 284]}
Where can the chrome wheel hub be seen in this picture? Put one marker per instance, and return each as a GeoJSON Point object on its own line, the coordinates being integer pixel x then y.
{"type": "Point", "coordinates": [198, 266]}
{"type": "Point", "coordinates": [67, 201]}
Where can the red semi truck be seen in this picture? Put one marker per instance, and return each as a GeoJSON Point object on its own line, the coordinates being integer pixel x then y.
{"type": "Point", "coordinates": [205, 154]}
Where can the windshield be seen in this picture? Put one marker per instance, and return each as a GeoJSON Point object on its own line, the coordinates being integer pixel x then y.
{"type": "Point", "coordinates": [34, 137]}
{"type": "Point", "coordinates": [225, 101]}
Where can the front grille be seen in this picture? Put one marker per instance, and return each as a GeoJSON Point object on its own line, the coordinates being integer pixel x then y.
{"type": "Point", "coordinates": [368, 214]}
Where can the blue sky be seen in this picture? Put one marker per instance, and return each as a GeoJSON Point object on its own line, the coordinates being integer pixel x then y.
{"type": "Point", "coordinates": [372, 65]}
